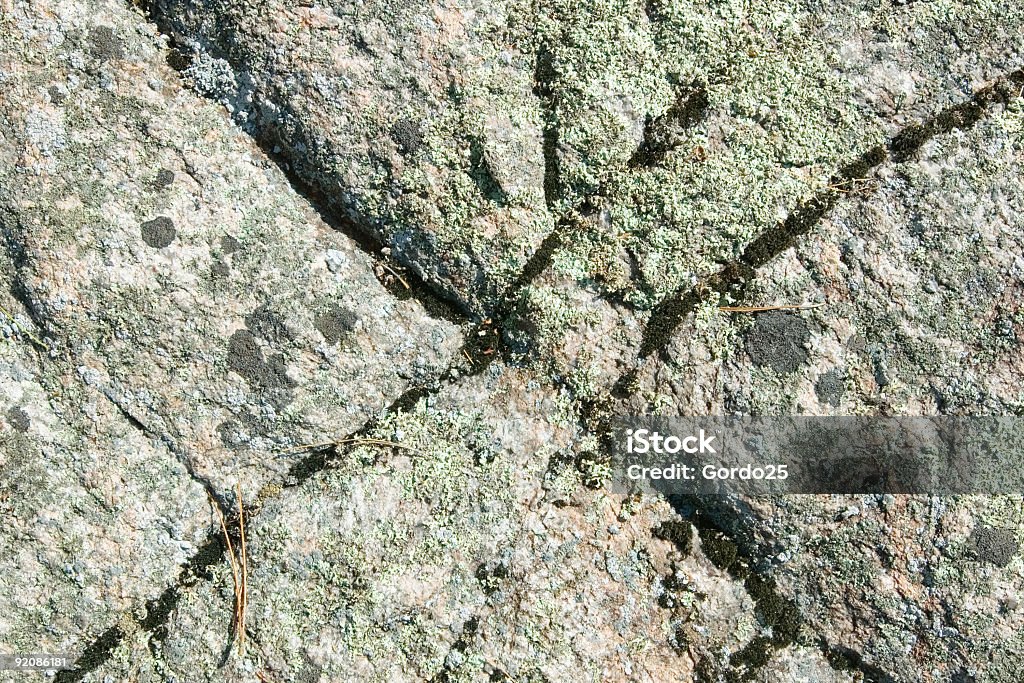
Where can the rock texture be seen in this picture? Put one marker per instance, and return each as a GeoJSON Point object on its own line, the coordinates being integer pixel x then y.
{"type": "Point", "coordinates": [227, 230]}
{"type": "Point", "coordinates": [417, 122]}
{"type": "Point", "coordinates": [169, 258]}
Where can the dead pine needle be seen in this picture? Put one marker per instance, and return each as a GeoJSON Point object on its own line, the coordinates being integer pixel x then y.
{"type": "Point", "coordinates": [780, 307]}
{"type": "Point", "coordinates": [244, 573]}
{"type": "Point", "coordinates": [395, 273]}
{"type": "Point", "coordinates": [27, 333]}
{"type": "Point", "coordinates": [239, 569]}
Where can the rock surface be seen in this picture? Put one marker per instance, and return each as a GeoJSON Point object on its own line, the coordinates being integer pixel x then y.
{"type": "Point", "coordinates": [222, 255]}
{"type": "Point", "coordinates": [98, 516]}
{"type": "Point", "coordinates": [171, 260]}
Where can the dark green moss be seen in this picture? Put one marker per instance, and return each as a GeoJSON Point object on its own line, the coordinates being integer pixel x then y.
{"type": "Point", "coordinates": [408, 135]}
{"type": "Point", "coordinates": [720, 550]}
{"type": "Point", "coordinates": [491, 576]}
{"type": "Point", "coordinates": [336, 323]}
{"type": "Point", "coordinates": [745, 663]}
{"type": "Point", "coordinates": [677, 532]}
{"type": "Point", "coordinates": [775, 611]}
{"type": "Point", "coordinates": [544, 78]}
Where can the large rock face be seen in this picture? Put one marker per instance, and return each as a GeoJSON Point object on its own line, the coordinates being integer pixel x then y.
{"type": "Point", "coordinates": [97, 515]}
{"type": "Point", "coordinates": [417, 122]}
{"type": "Point", "coordinates": [162, 252]}
{"type": "Point", "coordinates": [226, 228]}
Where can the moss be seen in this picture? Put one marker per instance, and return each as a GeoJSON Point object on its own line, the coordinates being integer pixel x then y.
{"type": "Point", "coordinates": [677, 532]}
{"type": "Point", "coordinates": [335, 323]}
{"type": "Point", "coordinates": [745, 663]}
{"type": "Point", "coordinates": [719, 549]}
{"type": "Point", "coordinates": [408, 135]}
{"type": "Point", "coordinates": [781, 614]}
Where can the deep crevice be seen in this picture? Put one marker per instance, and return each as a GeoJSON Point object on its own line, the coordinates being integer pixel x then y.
{"type": "Point", "coordinates": [842, 658]}
{"type": "Point", "coordinates": [544, 76]}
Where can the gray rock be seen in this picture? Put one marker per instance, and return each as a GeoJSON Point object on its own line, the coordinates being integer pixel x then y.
{"type": "Point", "coordinates": [209, 302]}
{"type": "Point", "coordinates": [418, 122]}
{"type": "Point", "coordinates": [95, 512]}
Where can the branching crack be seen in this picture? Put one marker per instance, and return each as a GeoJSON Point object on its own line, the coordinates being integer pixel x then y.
{"type": "Point", "coordinates": [902, 147]}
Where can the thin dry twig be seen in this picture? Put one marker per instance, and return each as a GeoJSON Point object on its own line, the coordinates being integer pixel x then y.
{"type": "Point", "coordinates": [780, 307]}
{"type": "Point", "coordinates": [244, 592]}
{"type": "Point", "coordinates": [349, 442]}
{"type": "Point", "coordinates": [395, 273]}
{"type": "Point", "coordinates": [21, 328]}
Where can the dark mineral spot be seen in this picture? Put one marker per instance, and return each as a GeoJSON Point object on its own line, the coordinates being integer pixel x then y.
{"type": "Point", "coordinates": [408, 135]}
{"type": "Point", "coordinates": [246, 358]}
{"type": "Point", "coordinates": [777, 340]}
{"type": "Point", "coordinates": [105, 44]}
{"type": "Point", "coordinates": [268, 324]}
{"type": "Point", "coordinates": [164, 178]}
{"type": "Point", "coordinates": [19, 419]}
{"type": "Point", "coordinates": [219, 269]}
{"type": "Point", "coordinates": [159, 232]}
{"type": "Point", "coordinates": [335, 323]}
{"type": "Point", "coordinates": [996, 546]}
{"type": "Point", "coordinates": [830, 387]}
{"type": "Point", "coordinates": [56, 96]}
{"type": "Point", "coordinates": [229, 245]}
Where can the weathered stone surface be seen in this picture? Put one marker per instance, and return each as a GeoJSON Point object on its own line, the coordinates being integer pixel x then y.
{"type": "Point", "coordinates": [97, 517]}
{"type": "Point", "coordinates": [171, 261]}
{"type": "Point", "coordinates": [418, 121]}
{"type": "Point", "coordinates": [920, 275]}
{"type": "Point", "coordinates": [200, 312]}
{"type": "Point", "coordinates": [465, 555]}
{"type": "Point", "coordinates": [685, 131]}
